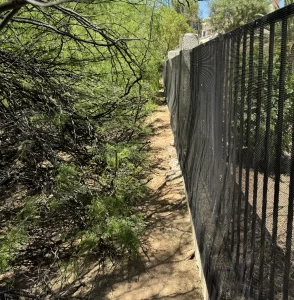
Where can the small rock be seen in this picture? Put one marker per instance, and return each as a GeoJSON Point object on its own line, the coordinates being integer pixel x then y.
{"type": "Point", "coordinates": [46, 164]}
{"type": "Point", "coordinates": [64, 156]}
{"type": "Point", "coordinates": [174, 163]}
{"type": "Point", "coordinates": [174, 175]}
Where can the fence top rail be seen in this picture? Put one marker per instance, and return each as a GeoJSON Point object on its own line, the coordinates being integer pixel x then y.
{"type": "Point", "coordinates": [273, 17]}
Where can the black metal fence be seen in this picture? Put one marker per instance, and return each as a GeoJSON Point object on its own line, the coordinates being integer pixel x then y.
{"type": "Point", "coordinates": [232, 112]}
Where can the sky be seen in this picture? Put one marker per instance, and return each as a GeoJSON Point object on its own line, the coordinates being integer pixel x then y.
{"type": "Point", "coordinates": [204, 9]}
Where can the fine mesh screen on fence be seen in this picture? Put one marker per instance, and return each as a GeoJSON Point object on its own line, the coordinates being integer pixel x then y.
{"type": "Point", "coordinates": [232, 104]}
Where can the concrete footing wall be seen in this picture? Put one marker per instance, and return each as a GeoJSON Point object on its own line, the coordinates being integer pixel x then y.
{"type": "Point", "coordinates": [187, 43]}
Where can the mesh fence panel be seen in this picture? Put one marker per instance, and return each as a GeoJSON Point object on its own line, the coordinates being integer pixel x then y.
{"type": "Point", "coordinates": [232, 104]}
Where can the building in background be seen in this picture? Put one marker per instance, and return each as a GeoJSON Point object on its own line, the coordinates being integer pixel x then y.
{"type": "Point", "coordinates": [275, 4]}
{"type": "Point", "coordinates": [206, 32]}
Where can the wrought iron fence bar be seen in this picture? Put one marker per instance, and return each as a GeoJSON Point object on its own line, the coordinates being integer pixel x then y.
{"type": "Point", "coordinates": [248, 144]}
{"type": "Point", "coordinates": [240, 145]}
{"type": "Point", "coordinates": [279, 132]}
{"type": "Point", "coordinates": [226, 139]}
{"type": "Point", "coordinates": [224, 99]}
{"type": "Point", "coordinates": [257, 122]}
{"type": "Point", "coordinates": [236, 56]}
{"type": "Point", "coordinates": [232, 143]}
{"type": "Point", "coordinates": [266, 154]}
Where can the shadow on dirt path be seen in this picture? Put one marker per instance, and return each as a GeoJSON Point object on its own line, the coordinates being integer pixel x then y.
{"type": "Point", "coordinates": [167, 268]}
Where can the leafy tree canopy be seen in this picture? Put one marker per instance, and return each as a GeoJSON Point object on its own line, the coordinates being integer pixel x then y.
{"type": "Point", "coordinates": [226, 15]}
{"type": "Point", "coordinates": [172, 26]}
{"type": "Point", "coordinates": [188, 8]}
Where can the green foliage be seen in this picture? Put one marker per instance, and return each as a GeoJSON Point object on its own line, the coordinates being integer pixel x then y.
{"type": "Point", "coordinates": [60, 119]}
{"type": "Point", "coordinates": [9, 246]}
{"type": "Point", "coordinates": [172, 26]}
{"type": "Point", "coordinates": [226, 15]}
{"type": "Point", "coordinates": [30, 211]}
{"type": "Point", "coordinates": [66, 179]}
{"type": "Point", "coordinates": [189, 9]}
{"type": "Point", "coordinates": [124, 232]}
{"type": "Point", "coordinates": [112, 218]}
{"type": "Point", "coordinates": [25, 150]}
{"type": "Point", "coordinates": [287, 2]}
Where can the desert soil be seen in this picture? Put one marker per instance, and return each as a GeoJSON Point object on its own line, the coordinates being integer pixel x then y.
{"type": "Point", "coordinates": [167, 268]}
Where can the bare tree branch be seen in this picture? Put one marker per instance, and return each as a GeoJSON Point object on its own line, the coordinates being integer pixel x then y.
{"type": "Point", "coordinates": [47, 4]}
{"type": "Point", "coordinates": [8, 17]}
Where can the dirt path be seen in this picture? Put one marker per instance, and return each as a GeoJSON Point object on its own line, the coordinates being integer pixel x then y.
{"type": "Point", "coordinates": [170, 271]}
{"type": "Point", "coordinates": [166, 269]}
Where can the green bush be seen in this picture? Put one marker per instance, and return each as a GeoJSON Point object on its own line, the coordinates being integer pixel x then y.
{"type": "Point", "coordinates": [9, 246]}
